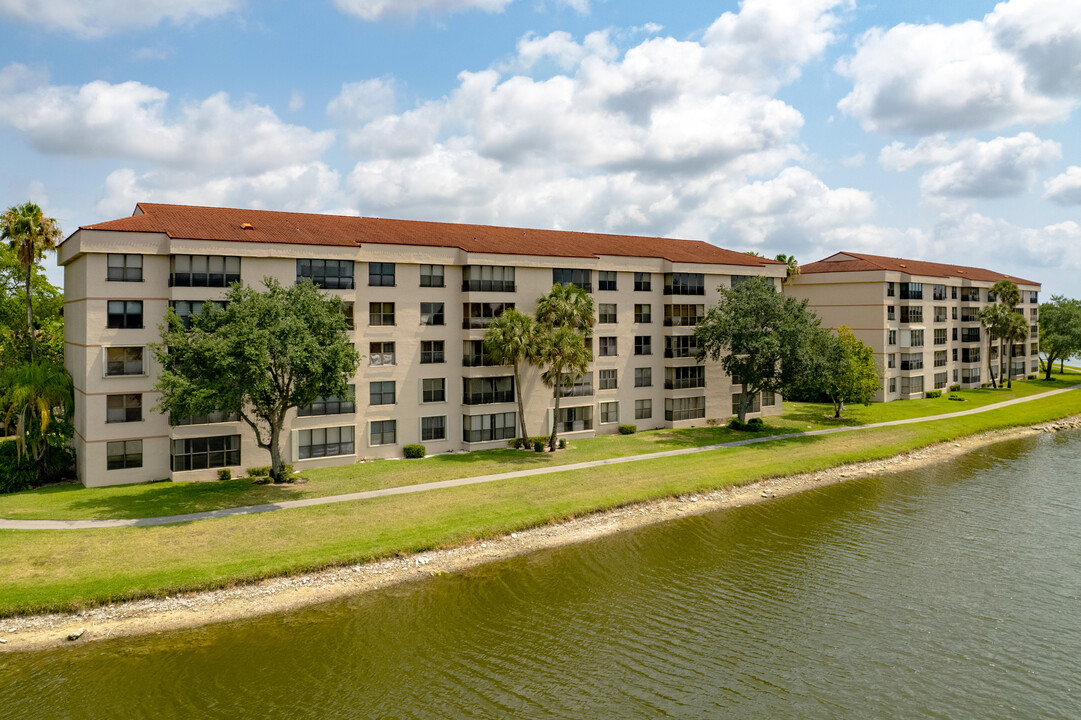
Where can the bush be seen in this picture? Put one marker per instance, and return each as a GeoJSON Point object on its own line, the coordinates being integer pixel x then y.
{"type": "Point", "coordinates": [931, 394]}
{"type": "Point", "coordinates": [752, 424]}
{"type": "Point", "coordinates": [284, 475]}
{"type": "Point", "coordinates": [562, 443]}
{"type": "Point", "coordinates": [516, 443]}
{"type": "Point", "coordinates": [15, 474]}
{"type": "Point", "coordinates": [1031, 377]}
{"type": "Point", "coordinates": [542, 439]}
{"type": "Point", "coordinates": [258, 472]}
{"type": "Point", "coordinates": [538, 446]}
{"type": "Point", "coordinates": [628, 429]}
{"type": "Point", "coordinates": [225, 474]}
{"type": "Point", "coordinates": [955, 387]}
{"type": "Point", "coordinates": [414, 452]}
{"type": "Point", "coordinates": [958, 398]}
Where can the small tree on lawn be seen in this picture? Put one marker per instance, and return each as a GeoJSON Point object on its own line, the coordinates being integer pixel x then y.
{"type": "Point", "coordinates": [1060, 330]}
{"type": "Point", "coordinates": [761, 336]}
{"type": "Point", "coordinates": [263, 354]}
{"type": "Point", "coordinates": [512, 339]}
{"type": "Point", "coordinates": [851, 374]}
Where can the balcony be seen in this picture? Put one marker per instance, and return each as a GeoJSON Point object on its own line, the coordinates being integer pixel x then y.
{"type": "Point", "coordinates": [912, 364]}
{"type": "Point", "coordinates": [488, 398]}
{"type": "Point", "coordinates": [478, 360]}
{"type": "Point", "coordinates": [488, 286]}
{"type": "Point", "coordinates": [685, 383]}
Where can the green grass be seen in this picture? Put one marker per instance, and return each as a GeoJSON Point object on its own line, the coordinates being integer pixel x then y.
{"type": "Point", "coordinates": [58, 570]}
{"type": "Point", "coordinates": [74, 502]}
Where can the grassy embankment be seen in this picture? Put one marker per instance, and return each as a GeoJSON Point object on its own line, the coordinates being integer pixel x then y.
{"type": "Point", "coordinates": [69, 569]}
{"type": "Point", "coordinates": [74, 502]}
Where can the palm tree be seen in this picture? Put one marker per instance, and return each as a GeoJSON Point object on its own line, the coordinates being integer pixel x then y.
{"type": "Point", "coordinates": [991, 319]}
{"type": "Point", "coordinates": [1014, 331]}
{"type": "Point", "coordinates": [36, 395]}
{"type": "Point", "coordinates": [566, 358]}
{"type": "Point", "coordinates": [31, 235]}
{"type": "Point", "coordinates": [1008, 296]}
{"type": "Point", "coordinates": [510, 340]}
{"type": "Point", "coordinates": [793, 266]}
{"type": "Point", "coordinates": [566, 306]}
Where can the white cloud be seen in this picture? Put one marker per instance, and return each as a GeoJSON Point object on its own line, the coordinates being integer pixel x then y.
{"type": "Point", "coordinates": [1020, 64]}
{"type": "Point", "coordinates": [1065, 189]}
{"type": "Point", "coordinates": [296, 101]}
{"type": "Point", "coordinates": [853, 161]}
{"type": "Point", "coordinates": [1001, 167]}
{"type": "Point", "coordinates": [94, 18]}
{"type": "Point", "coordinates": [374, 10]}
{"type": "Point", "coordinates": [132, 120]}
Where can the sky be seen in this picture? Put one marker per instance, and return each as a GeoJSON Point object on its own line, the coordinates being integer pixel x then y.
{"type": "Point", "coordinates": [944, 131]}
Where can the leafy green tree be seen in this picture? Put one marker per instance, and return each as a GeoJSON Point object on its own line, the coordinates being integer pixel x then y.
{"type": "Point", "coordinates": [260, 356]}
{"type": "Point", "coordinates": [31, 234]}
{"type": "Point", "coordinates": [48, 312]}
{"type": "Point", "coordinates": [512, 339]}
{"type": "Point", "coordinates": [1060, 330]}
{"type": "Point", "coordinates": [564, 316]}
{"type": "Point", "coordinates": [39, 399]}
{"type": "Point", "coordinates": [851, 374]}
{"type": "Point", "coordinates": [1014, 331]}
{"type": "Point", "coordinates": [762, 337]}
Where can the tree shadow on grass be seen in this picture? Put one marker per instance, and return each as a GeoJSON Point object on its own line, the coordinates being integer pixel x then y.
{"type": "Point", "coordinates": [162, 499]}
{"type": "Point", "coordinates": [816, 416]}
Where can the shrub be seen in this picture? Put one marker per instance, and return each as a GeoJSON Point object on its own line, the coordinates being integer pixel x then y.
{"type": "Point", "coordinates": [225, 474]}
{"type": "Point", "coordinates": [752, 424]}
{"type": "Point", "coordinates": [258, 472]}
{"type": "Point", "coordinates": [628, 429]}
{"type": "Point", "coordinates": [284, 475]}
{"type": "Point", "coordinates": [542, 439]}
{"type": "Point", "coordinates": [930, 394]}
{"type": "Point", "coordinates": [562, 443]}
{"type": "Point", "coordinates": [538, 446]}
{"type": "Point", "coordinates": [955, 387]}
{"type": "Point", "coordinates": [15, 474]}
{"type": "Point", "coordinates": [414, 452]}
{"type": "Point", "coordinates": [958, 398]}
{"type": "Point", "coordinates": [1031, 377]}
{"type": "Point", "coordinates": [516, 443]}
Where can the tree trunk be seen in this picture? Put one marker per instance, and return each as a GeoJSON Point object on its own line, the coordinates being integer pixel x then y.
{"type": "Point", "coordinates": [521, 403]}
{"type": "Point", "coordinates": [30, 315]}
{"type": "Point", "coordinates": [837, 405]}
{"type": "Point", "coordinates": [1001, 359]}
{"type": "Point", "coordinates": [990, 367]}
{"type": "Point", "coordinates": [1049, 366]}
{"type": "Point", "coordinates": [743, 404]}
{"type": "Point", "coordinates": [555, 414]}
{"type": "Point", "coordinates": [276, 456]}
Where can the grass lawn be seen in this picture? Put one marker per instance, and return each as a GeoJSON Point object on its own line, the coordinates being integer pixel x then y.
{"type": "Point", "coordinates": [74, 502]}
{"type": "Point", "coordinates": [54, 570]}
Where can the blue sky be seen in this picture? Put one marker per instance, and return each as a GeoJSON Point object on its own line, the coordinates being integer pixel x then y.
{"type": "Point", "coordinates": [942, 131]}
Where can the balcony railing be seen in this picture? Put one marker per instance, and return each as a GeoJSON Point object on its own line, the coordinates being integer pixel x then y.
{"type": "Point", "coordinates": [488, 398]}
{"type": "Point", "coordinates": [203, 279]}
{"type": "Point", "coordinates": [912, 364]}
{"type": "Point", "coordinates": [685, 383]}
{"type": "Point", "coordinates": [482, 360]}
{"type": "Point", "coordinates": [488, 286]}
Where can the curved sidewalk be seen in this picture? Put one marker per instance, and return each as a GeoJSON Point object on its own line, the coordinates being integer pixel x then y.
{"type": "Point", "coordinates": [423, 487]}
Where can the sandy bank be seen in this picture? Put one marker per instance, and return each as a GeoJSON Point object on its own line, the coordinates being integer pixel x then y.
{"type": "Point", "coordinates": [287, 593]}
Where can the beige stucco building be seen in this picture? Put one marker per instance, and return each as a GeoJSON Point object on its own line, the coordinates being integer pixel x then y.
{"type": "Point", "coordinates": [920, 318]}
{"type": "Point", "coordinates": [422, 294]}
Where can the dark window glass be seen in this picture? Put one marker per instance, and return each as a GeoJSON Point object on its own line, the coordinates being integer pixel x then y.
{"type": "Point", "coordinates": [684, 284]}
{"type": "Point", "coordinates": [643, 409]}
{"type": "Point", "coordinates": [480, 315]}
{"type": "Point", "coordinates": [383, 432]}
{"type": "Point", "coordinates": [124, 408]}
{"type": "Point", "coordinates": [125, 268]}
{"type": "Point", "coordinates": [381, 274]}
{"type": "Point", "coordinates": [381, 353]}
{"type": "Point", "coordinates": [487, 278]}
{"type": "Point", "coordinates": [381, 313]}
{"type": "Point", "coordinates": [431, 313]}
{"type": "Point", "coordinates": [325, 442]}
{"type": "Point", "coordinates": [124, 361]}
{"type": "Point", "coordinates": [569, 276]}
{"type": "Point", "coordinates": [431, 352]}
{"type": "Point", "coordinates": [681, 378]}
{"type": "Point", "coordinates": [642, 282]}
{"type": "Point", "coordinates": [381, 392]}
{"type": "Point", "coordinates": [186, 310]}
{"type": "Point", "coordinates": [643, 377]}
{"type": "Point", "coordinates": [606, 313]}
{"type": "Point", "coordinates": [643, 345]}
{"type": "Point", "coordinates": [125, 314]}
{"type": "Point", "coordinates": [124, 455]}
{"type": "Point", "coordinates": [206, 452]}
{"type": "Point", "coordinates": [203, 270]}
{"type": "Point", "coordinates": [433, 390]}
{"type": "Point", "coordinates": [330, 405]}
{"type": "Point", "coordinates": [484, 391]}
{"type": "Point", "coordinates": [486, 428]}
{"type": "Point", "coordinates": [433, 428]}
{"type": "Point", "coordinates": [687, 408]}
{"type": "Point", "coordinates": [608, 379]}
{"type": "Point", "coordinates": [431, 276]}
{"type": "Point", "coordinates": [606, 280]}
{"type": "Point", "coordinates": [608, 347]}
{"type": "Point", "coordinates": [328, 274]}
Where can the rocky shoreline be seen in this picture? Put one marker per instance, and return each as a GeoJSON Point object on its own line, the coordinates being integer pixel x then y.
{"type": "Point", "coordinates": [275, 595]}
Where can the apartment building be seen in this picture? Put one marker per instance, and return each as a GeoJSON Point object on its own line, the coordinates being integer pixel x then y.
{"type": "Point", "coordinates": [420, 295]}
{"type": "Point", "coordinates": [922, 319]}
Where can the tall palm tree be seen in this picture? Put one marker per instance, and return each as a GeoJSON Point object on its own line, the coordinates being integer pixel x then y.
{"type": "Point", "coordinates": [991, 320]}
{"type": "Point", "coordinates": [1015, 330]}
{"type": "Point", "coordinates": [510, 340]}
{"type": "Point", "coordinates": [793, 266]}
{"type": "Point", "coordinates": [35, 395]}
{"type": "Point", "coordinates": [566, 358]}
{"type": "Point", "coordinates": [31, 235]}
{"type": "Point", "coordinates": [566, 306]}
{"type": "Point", "coordinates": [1008, 295]}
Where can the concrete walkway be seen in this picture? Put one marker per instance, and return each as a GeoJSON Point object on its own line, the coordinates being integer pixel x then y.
{"type": "Point", "coordinates": [423, 487]}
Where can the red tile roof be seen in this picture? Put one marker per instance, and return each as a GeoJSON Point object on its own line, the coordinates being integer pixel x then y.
{"type": "Point", "coordinates": [862, 262]}
{"type": "Point", "coordinates": [228, 225]}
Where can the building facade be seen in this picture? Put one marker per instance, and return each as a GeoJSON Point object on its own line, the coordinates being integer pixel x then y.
{"type": "Point", "coordinates": [421, 295]}
{"type": "Point", "coordinates": [921, 319]}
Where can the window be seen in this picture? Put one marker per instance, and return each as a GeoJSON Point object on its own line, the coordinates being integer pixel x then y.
{"type": "Point", "coordinates": [970, 375]}
{"type": "Point", "coordinates": [756, 403]}
{"type": "Point", "coordinates": [681, 378]}
{"type": "Point", "coordinates": [970, 355]}
{"type": "Point", "coordinates": [916, 338]}
{"type": "Point", "coordinates": [480, 315]}
{"type": "Point", "coordinates": [955, 354]}
{"type": "Point", "coordinates": [1034, 331]}
{"type": "Point", "coordinates": [608, 347]}
{"type": "Point", "coordinates": [940, 358]}
{"type": "Point", "coordinates": [970, 314]}
{"type": "Point", "coordinates": [383, 432]}
{"type": "Point", "coordinates": [205, 452]}
{"type": "Point", "coordinates": [486, 428]}
{"type": "Point", "coordinates": [432, 352]}
{"type": "Point", "coordinates": [433, 428]}
{"type": "Point", "coordinates": [891, 337]}
{"type": "Point", "coordinates": [643, 345]}
{"type": "Point", "coordinates": [381, 353]}
{"type": "Point", "coordinates": [325, 442]}
{"type": "Point", "coordinates": [608, 379]}
{"type": "Point", "coordinates": [676, 409]}
{"type": "Point", "coordinates": [208, 419]}
{"type": "Point", "coordinates": [683, 315]}
{"type": "Point", "coordinates": [431, 276]}
{"type": "Point", "coordinates": [769, 398]}
{"type": "Point", "coordinates": [643, 313]}
{"type": "Point", "coordinates": [891, 360]}
{"type": "Point", "coordinates": [579, 278]}
{"type": "Point", "coordinates": [328, 274]}
{"type": "Point", "coordinates": [1033, 297]}
{"type": "Point", "coordinates": [475, 355]}
{"type": "Point", "coordinates": [381, 313]}
{"type": "Point", "coordinates": [380, 274]}
{"type": "Point", "coordinates": [891, 312]}
{"type": "Point", "coordinates": [433, 390]}
{"type": "Point", "coordinates": [381, 392]}
{"type": "Point", "coordinates": [609, 412]}
{"type": "Point", "coordinates": [643, 409]}
{"type": "Point", "coordinates": [953, 292]}
{"type": "Point", "coordinates": [643, 377]}
{"type": "Point", "coordinates": [1034, 349]}
{"type": "Point", "coordinates": [970, 334]}
{"type": "Point", "coordinates": [910, 385]}
{"type": "Point", "coordinates": [955, 334]}
{"type": "Point", "coordinates": [940, 314]}
{"type": "Point", "coordinates": [347, 311]}
{"type": "Point", "coordinates": [125, 314]}
{"type": "Point", "coordinates": [123, 361]}
{"type": "Point", "coordinates": [431, 313]}
{"type": "Point", "coordinates": [203, 271]}
{"type": "Point", "coordinates": [606, 314]}
{"type": "Point", "coordinates": [124, 408]}
{"type": "Point", "coordinates": [575, 419]}
{"type": "Point", "coordinates": [938, 292]}
{"type": "Point", "coordinates": [606, 280]}
{"type": "Point", "coordinates": [889, 289]}
{"type": "Point", "coordinates": [330, 405]}
{"type": "Point", "coordinates": [684, 284]}
{"type": "Point", "coordinates": [911, 291]}
{"type": "Point", "coordinates": [643, 282]}
{"type": "Point", "coordinates": [953, 313]}
{"type": "Point", "coordinates": [940, 336]}
{"type": "Point", "coordinates": [955, 374]}
{"type": "Point", "coordinates": [186, 310]}
{"type": "Point", "coordinates": [487, 278]}
{"type": "Point", "coordinates": [485, 391]}
{"type": "Point", "coordinates": [971, 294]}
{"type": "Point", "coordinates": [680, 346]}
{"type": "Point", "coordinates": [911, 361]}
{"type": "Point", "coordinates": [893, 385]}
{"type": "Point", "coordinates": [125, 268]}
{"type": "Point", "coordinates": [124, 455]}
{"type": "Point", "coordinates": [912, 314]}
{"type": "Point", "coordinates": [576, 387]}
{"type": "Point", "coordinates": [941, 380]}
